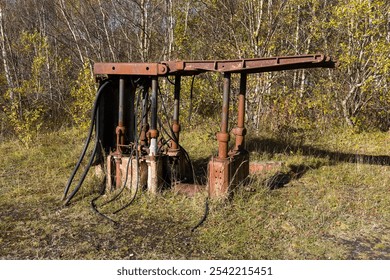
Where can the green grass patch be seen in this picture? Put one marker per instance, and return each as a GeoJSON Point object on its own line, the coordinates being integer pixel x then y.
{"type": "Point", "coordinates": [334, 204]}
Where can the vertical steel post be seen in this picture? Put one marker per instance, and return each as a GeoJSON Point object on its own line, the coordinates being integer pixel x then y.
{"type": "Point", "coordinates": [154, 166]}
{"type": "Point", "coordinates": [145, 125]}
{"type": "Point", "coordinates": [223, 135]}
{"type": "Point", "coordinates": [240, 130]}
{"type": "Point", "coordinates": [120, 132]}
{"type": "Point", "coordinates": [176, 108]}
{"type": "Point", "coordinates": [121, 120]}
{"type": "Point", "coordinates": [153, 119]}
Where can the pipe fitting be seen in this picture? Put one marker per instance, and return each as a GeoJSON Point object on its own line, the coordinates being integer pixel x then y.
{"type": "Point", "coordinates": [176, 127]}
{"type": "Point", "coordinates": [223, 137]}
{"type": "Point", "coordinates": [120, 130]}
{"type": "Point", "coordinates": [153, 133]}
{"type": "Point", "coordinates": [239, 131]}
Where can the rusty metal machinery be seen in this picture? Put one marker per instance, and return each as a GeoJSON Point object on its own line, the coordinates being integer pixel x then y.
{"type": "Point", "coordinates": [126, 121]}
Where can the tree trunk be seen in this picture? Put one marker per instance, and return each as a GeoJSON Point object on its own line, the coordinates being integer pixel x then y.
{"type": "Point", "coordinates": [5, 55]}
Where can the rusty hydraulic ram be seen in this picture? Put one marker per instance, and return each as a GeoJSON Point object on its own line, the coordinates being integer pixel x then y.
{"type": "Point", "coordinates": [229, 168]}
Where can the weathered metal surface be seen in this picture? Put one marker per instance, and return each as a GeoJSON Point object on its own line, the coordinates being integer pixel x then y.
{"type": "Point", "coordinates": [219, 174]}
{"type": "Point", "coordinates": [175, 118]}
{"type": "Point", "coordinates": [193, 67]}
{"type": "Point", "coordinates": [153, 118]}
{"type": "Point", "coordinates": [226, 174]}
{"type": "Point", "coordinates": [240, 130]}
{"type": "Point", "coordinates": [223, 136]}
{"type": "Point", "coordinates": [132, 69]}
{"type": "Point", "coordinates": [155, 175]}
{"type": "Point", "coordinates": [255, 65]}
{"type": "Point", "coordinates": [131, 173]}
{"type": "Point", "coordinates": [226, 171]}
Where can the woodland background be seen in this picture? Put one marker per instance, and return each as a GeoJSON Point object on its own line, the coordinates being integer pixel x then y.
{"type": "Point", "coordinates": [48, 48]}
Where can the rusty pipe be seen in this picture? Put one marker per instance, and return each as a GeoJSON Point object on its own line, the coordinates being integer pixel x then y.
{"type": "Point", "coordinates": [240, 131]}
{"type": "Point", "coordinates": [145, 125]}
{"type": "Point", "coordinates": [120, 132]}
{"type": "Point", "coordinates": [176, 108]}
{"type": "Point", "coordinates": [153, 118]}
{"type": "Point", "coordinates": [223, 135]}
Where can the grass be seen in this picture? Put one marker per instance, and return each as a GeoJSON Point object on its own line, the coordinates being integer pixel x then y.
{"type": "Point", "coordinates": [334, 204]}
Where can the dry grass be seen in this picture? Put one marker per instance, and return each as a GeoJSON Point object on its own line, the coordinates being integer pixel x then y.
{"type": "Point", "coordinates": [333, 204]}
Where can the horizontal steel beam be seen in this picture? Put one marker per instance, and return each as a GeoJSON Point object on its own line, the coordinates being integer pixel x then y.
{"type": "Point", "coordinates": [255, 65]}
{"type": "Point", "coordinates": [132, 69]}
{"type": "Point", "coordinates": [194, 67]}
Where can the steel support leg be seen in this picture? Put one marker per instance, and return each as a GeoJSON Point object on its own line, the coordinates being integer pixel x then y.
{"type": "Point", "coordinates": [120, 133]}
{"type": "Point", "coordinates": [223, 135]}
{"type": "Point", "coordinates": [175, 121]}
{"type": "Point", "coordinates": [154, 166]}
{"type": "Point", "coordinates": [240, 130]}
{"type": "Point", "coordinates": [239, 156]}
{"type": "Point", "coordinates": [220, 167]}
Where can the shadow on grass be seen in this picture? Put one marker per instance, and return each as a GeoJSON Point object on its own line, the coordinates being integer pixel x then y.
{"type": "Point", "coordinates": [280, 179]}
{"type": "Point", "coordinates": [273, 146]}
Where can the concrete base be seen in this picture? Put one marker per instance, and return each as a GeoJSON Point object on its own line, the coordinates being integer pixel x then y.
{"type": "Point", "coordinates": [226, 174]}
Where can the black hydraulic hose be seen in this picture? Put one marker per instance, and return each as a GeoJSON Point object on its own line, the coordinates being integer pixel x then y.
{"type": "Point", "coordinates": [96, 211]}
{"type": "Point", "coordinates": [136, 137]}
{"type": "Point", "coordinates": [93, 116]}
{"type": "Point", "coordinates": [205, 214]}
{"type": "Point", "coordinates": [136, 186]}
{"type": "Point", "coordinates": [77, 188]}
{"type": "Point", "coordinates": [124, 183]}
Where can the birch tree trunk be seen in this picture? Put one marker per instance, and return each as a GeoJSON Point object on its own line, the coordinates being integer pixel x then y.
{"type": "Point", "coordinates": [4, 53]}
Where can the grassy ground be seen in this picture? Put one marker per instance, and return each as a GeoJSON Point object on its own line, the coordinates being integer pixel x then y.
{"type": "Point", "coordinates": [330, 200]}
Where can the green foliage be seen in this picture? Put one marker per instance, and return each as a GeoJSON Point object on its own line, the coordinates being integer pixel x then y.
{"type": "Point", "coordinates": [23, 108]}
{"type": "Point", "coordinates": [83, 93]}
{"type": "Point", "coordinates": [355, 33]}
{"type": "Point", "coordinates": [363, 57]}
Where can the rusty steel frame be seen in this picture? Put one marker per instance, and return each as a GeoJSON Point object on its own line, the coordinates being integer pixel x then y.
{"type": "Point", "coordinates": [229, 168]}
{"type": "Point", "coordinates": [194, 67]}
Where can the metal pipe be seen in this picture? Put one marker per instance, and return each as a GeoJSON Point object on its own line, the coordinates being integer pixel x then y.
{"type": "Point", "coordinates": [240, 129]}
{"type": "Point", "coordinates": [145, 125]}
{"type": "Point", "coordinates": [120, 130]}
{"type": "Point", "coordinates": [153, 119]}
{"type": "Point", "coordinates": [225, 104]}
{"type": "Point", "coordinates": [120, 133]}
{"type": "Point", "coordinates": [145, 96]}
{"type": "Point", "coordinates": [223, 135]}
{"type": "Point", "coordinates": [121, 101]}
{"type": "Point", "coordinates": [176, 108]}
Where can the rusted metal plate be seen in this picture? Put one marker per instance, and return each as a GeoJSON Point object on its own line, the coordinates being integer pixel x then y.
{"type": "Point", "coordinates": [226, 174]}
{"type": "Point", "coordinates": [219, 174]}
{"type": "Point", "coordinates": [135, 69]}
